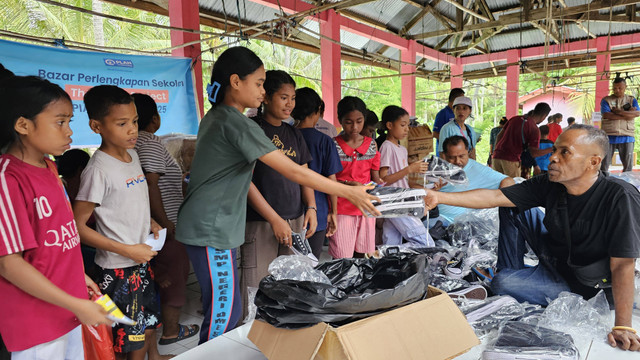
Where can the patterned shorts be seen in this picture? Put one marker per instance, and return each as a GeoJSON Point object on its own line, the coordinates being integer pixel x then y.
{"type": "Point", "coordinates": [132, 290]}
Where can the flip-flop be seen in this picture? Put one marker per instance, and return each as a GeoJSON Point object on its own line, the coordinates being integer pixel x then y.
{"type": "Point", "coordinates": [185, 332]}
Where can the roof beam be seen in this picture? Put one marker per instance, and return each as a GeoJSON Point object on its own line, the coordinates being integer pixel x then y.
{"type": "Point", "coordinates": [464, 9]}
{"type": "Point", "coordinates": [535, 14]}
{"type": "Point", "coordinates": [539, 51]}
{"type": "Point", "coordinates": [424, 10]}
{"type": "Point", "coordinates": [546, 31]}
{"type": "Point", "coordinates": [485, 35]}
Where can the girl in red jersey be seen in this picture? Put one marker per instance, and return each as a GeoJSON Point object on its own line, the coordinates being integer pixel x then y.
{"type": "Point", "coordinates": [42, 281]}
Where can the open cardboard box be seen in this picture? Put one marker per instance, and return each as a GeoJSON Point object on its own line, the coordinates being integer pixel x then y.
{"type": "Point", "coordinates": [433, 329]}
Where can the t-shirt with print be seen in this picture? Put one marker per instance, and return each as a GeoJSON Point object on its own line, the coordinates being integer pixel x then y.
{"type": "Point", "coordinates": [119, 190]}
{"type": "Point", "coordinates": [395, 157]}
{"type": "Point", "coordinates": [603, 220]}
{"type": "Point", "coordinates": [452, 129]}
{"type": "Point", "coordinates": [214, 210]}
{"type": "Point", "coordinates": [510, 145]}
{"type": "Point", "coordinates": [325, 161]}
{"type": "Point", "coordinates": [155, 158]}
{"type": "Point", "coordinates": [480, 177]}
{"type": "Point", "coordinates": [36, 219]}
{"type": "Point", "coordinates": [356, 166]}
{"type": "Point", "coordinates": [284, 195]}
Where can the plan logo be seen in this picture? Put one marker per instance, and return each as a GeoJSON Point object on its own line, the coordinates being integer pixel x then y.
{"type": "Point", "coordinates": [118, 63]}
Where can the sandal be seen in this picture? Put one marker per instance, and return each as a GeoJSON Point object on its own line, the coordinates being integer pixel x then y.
{"type": "Point", "coordinates": [185, 332]}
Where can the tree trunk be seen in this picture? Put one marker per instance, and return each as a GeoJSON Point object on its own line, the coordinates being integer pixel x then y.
{"type": "Point", "coordinates": [98, 29]}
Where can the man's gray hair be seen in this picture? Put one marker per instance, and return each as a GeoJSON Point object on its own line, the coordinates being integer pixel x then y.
{"type": "Point", "coordinates": [594, 136]}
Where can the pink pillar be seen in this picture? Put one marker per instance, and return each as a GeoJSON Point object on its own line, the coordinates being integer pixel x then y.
{"type": "Point", "coordinates": [603, 63]}
{"type": "Point", "coordinates": [186, 14]}
{"type": "Point", "coordinates": [513, 83]}
{"type": "Point", "coordinates": [331, 71]}
{"type": "Point", "coordinates": [409, 82]}
{"type": "Point", "coordinates": [456, 74]}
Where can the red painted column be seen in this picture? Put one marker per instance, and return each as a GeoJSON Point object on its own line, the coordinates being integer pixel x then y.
{"type": "Point", "coordinates": [331, 68]}
{"type": "Point", "coordinates": [513, 83]}
{"type": "Point", "coordinates": [408, 82]}
{"type": "Point", "coordinates": [186, 14]}
{"type": "Point", "coordinates": [456, 74]}
{"type": "Point", "coordinates": [603, 64]}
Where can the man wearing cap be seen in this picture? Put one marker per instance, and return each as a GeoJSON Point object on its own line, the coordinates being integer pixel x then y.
{"type": "Point", "coordinates": [519, 134]}
{"type": "Point", "coordinates": [446, 114]}
{"type": "Point", "coordinates": [457, 126]}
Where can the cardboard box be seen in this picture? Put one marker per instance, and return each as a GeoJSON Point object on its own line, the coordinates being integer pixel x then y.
{"type": "Point", "coordinates": [433, 329]}
{"type": "Point", "coordinates": [420, 143]}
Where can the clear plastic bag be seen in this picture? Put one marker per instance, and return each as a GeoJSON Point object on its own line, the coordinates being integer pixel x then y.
{"type": "Point", "coordinates": [494, 312]}
{"type": "Point", "coordinates": [446, 283]}
{"type": "Point", "coordinates": [584, 320]}
{"type": "Point", "coordinates": [300, 246]}
{"type": "Point", "coordinates": [481, 225]}
{"type": "Point", "coordinates": [477, 257]}
{"type": "Point", "coordinates": [630, 177]}
{"type": "Point", "coordinates": [442, 170]}
{"type": "Point", "coordinates": [251, 307]}
{"type": "Point", "coordinates": [298, 268]}
{"type": "Point", "coordinates": [398, 202]}
{"type": "Point", "coordinates": [519, 340]}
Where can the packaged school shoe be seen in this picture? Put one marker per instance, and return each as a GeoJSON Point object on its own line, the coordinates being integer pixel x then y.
{"type": "Point", "coordinates": [441, 170]}
{"type": "Point", "coordinates": [519, 340]}
{"type": "Point", "coordinates": [398, 202]}
{"type": "Point", "coordinates": [300, 246]}
{"type": "Point", "coordinates": [477, 292]}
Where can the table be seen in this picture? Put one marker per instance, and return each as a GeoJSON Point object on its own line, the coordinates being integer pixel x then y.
{"type": "Point", "coordinates": [235, 345]}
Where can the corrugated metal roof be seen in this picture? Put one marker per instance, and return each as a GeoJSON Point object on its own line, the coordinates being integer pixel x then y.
{"type": "Point", "coordinates": [394, 14]}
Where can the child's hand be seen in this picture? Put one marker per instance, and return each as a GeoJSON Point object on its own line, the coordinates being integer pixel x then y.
{"type": "Point", "coordinates": [155, 229]}
{"type": "Point", "coordinates": [282, 231]}
{"type": "Point", "coordinates": [419, 167]}
{"type": "Point", "coordinates": [92, 287]}
{"type": "Point", "coordinates": [332, 224]}
{"type": "Point", "coordinates": [437, 186]}
{"type": "Point", "coordinates": [310, 222]}
{"type": "Point", "coordinates": [140, 253]}
{"type": "Point", "coordinates": [90, 313]}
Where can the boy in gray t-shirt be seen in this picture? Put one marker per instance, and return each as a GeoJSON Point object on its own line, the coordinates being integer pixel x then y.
{"type": "Point", "coordinates": [114, 189]}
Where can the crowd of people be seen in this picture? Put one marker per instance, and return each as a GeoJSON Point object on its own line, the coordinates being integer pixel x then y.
{"type": "Point", "coordinates": [79, 228]}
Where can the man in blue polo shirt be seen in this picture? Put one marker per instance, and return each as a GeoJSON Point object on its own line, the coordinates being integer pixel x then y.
{"type": "Point", "coordinates": [455, 150]}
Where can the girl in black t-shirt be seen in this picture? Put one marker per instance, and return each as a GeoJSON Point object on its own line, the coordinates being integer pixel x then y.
{"type": "Point", "coordinates": [277, 206]}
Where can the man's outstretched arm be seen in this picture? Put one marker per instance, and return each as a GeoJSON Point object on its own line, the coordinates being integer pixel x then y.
{"type": "Point", "coordinates": [474, 199]}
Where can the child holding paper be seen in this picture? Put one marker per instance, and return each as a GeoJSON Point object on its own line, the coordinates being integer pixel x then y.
{"type": "Point", "coordinates": [113, 188]}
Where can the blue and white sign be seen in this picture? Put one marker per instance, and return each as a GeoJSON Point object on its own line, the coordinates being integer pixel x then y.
{"type": "Point", "coordinates": [168, 80]}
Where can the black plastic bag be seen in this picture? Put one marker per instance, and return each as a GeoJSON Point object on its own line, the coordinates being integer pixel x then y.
{"type": "Point", "coordinates": [359, 288]}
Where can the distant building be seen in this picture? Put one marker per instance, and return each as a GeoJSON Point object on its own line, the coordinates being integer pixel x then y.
{"type": "Point", "coordinates": [561, 100]}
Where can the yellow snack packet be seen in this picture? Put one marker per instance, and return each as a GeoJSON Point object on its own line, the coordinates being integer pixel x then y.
{"type": "Point", "coordinates": [114, 313]}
